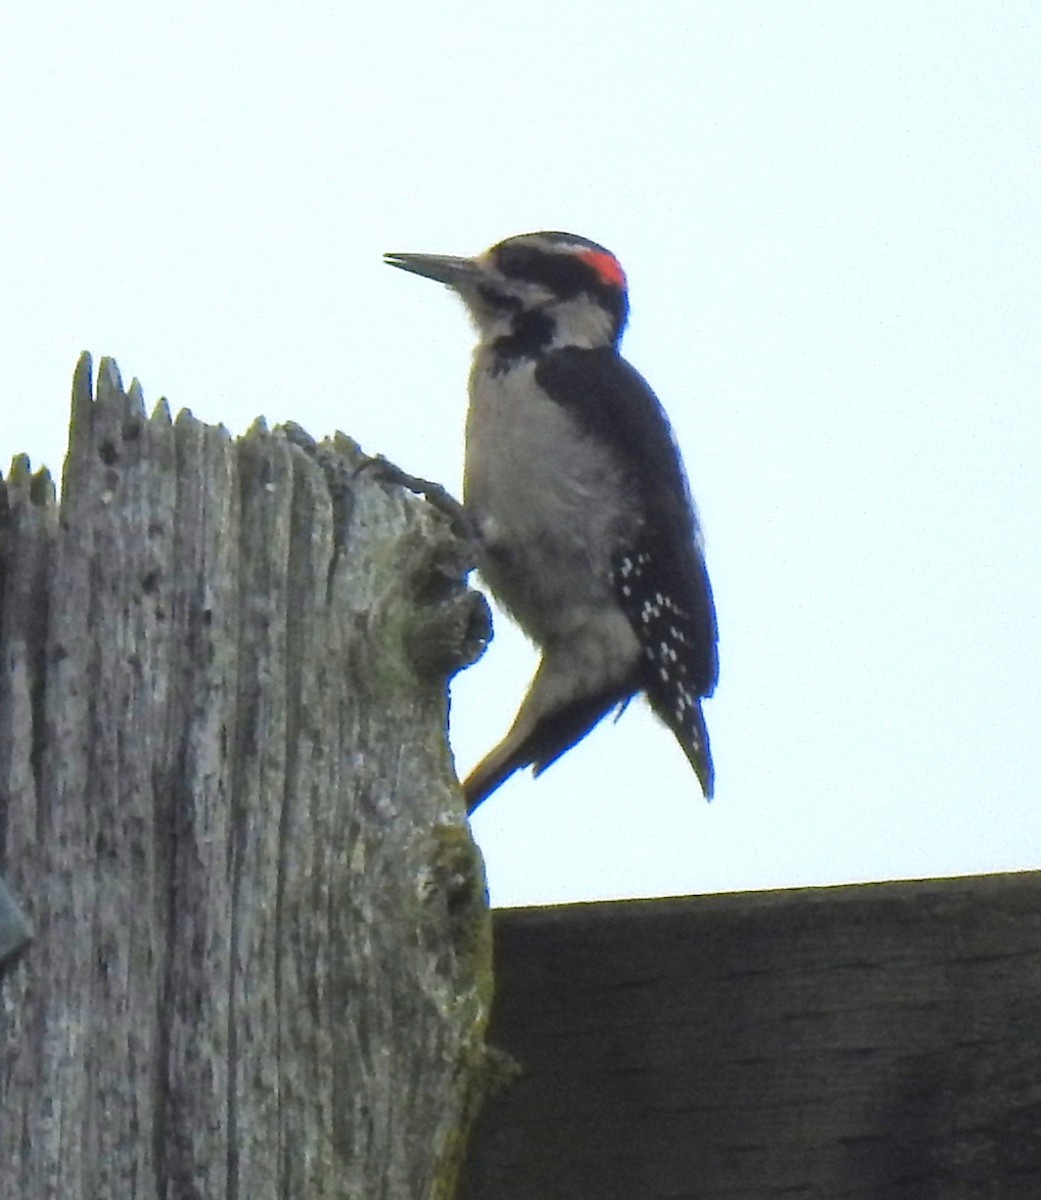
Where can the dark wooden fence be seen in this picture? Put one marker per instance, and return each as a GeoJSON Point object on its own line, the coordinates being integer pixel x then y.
{"type": "Point", "coordinates": [878, 1042]}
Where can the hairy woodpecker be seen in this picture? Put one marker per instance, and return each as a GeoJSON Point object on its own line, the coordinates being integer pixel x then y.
{"type": "Point", "coordinates": [574, 485]}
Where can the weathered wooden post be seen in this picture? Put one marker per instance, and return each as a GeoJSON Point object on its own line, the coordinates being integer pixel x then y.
{"type": "Point", "coordinates": [261, 959]}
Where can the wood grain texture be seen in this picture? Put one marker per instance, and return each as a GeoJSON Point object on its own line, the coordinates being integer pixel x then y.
{"type": "Point", "coordinates": [261, 962]}
{"type": "Point", "coordinates": [878, 1042]}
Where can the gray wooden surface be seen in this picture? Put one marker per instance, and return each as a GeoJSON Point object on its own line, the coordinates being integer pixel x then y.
{"type": "Point", "coordinates": [260, 966]}
{"type": "Point", "coordinates": [878, 1042]}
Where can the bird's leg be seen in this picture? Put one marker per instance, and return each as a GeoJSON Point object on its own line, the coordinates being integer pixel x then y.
{"type": "Point", "coordinates": [434, 493]}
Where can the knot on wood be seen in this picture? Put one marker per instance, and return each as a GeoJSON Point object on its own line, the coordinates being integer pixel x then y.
{"type": "Point", "coordinates": [453, 623]}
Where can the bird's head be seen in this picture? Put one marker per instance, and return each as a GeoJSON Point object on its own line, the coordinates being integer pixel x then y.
{"type": "Point", "coordinates": [534, 292]}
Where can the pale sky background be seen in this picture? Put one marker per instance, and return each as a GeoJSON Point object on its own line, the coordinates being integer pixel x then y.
{"type": "Point", "coordinates": [830, 215]}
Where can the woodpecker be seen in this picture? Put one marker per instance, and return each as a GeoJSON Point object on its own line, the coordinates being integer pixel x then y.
{"type": "Point", "coordinates": [578, 495]}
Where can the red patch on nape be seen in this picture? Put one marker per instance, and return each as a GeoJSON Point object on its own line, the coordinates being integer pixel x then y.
{"type": "Point", "coordinates": [606, 266]}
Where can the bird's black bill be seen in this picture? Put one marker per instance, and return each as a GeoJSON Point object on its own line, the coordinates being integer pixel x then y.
{"type": "Point", "coordinates": [444, 268]}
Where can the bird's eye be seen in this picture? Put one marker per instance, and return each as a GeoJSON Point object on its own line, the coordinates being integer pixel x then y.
{"type": "Point", "coordinates": [517, 262]}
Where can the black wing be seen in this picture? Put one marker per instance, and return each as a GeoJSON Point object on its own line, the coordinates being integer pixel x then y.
{"type": "Point", "coordinates": [661, 582]}
{"type": "Point", "coordinates": [610, 399]}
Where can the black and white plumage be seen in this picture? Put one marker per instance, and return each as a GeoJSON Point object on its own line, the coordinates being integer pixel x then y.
{"type": "Point", "coordinates": [577, 491]}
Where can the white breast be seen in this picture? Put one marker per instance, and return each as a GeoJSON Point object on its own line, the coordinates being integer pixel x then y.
{"type": "Point", "coordinates": [551, 502]}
